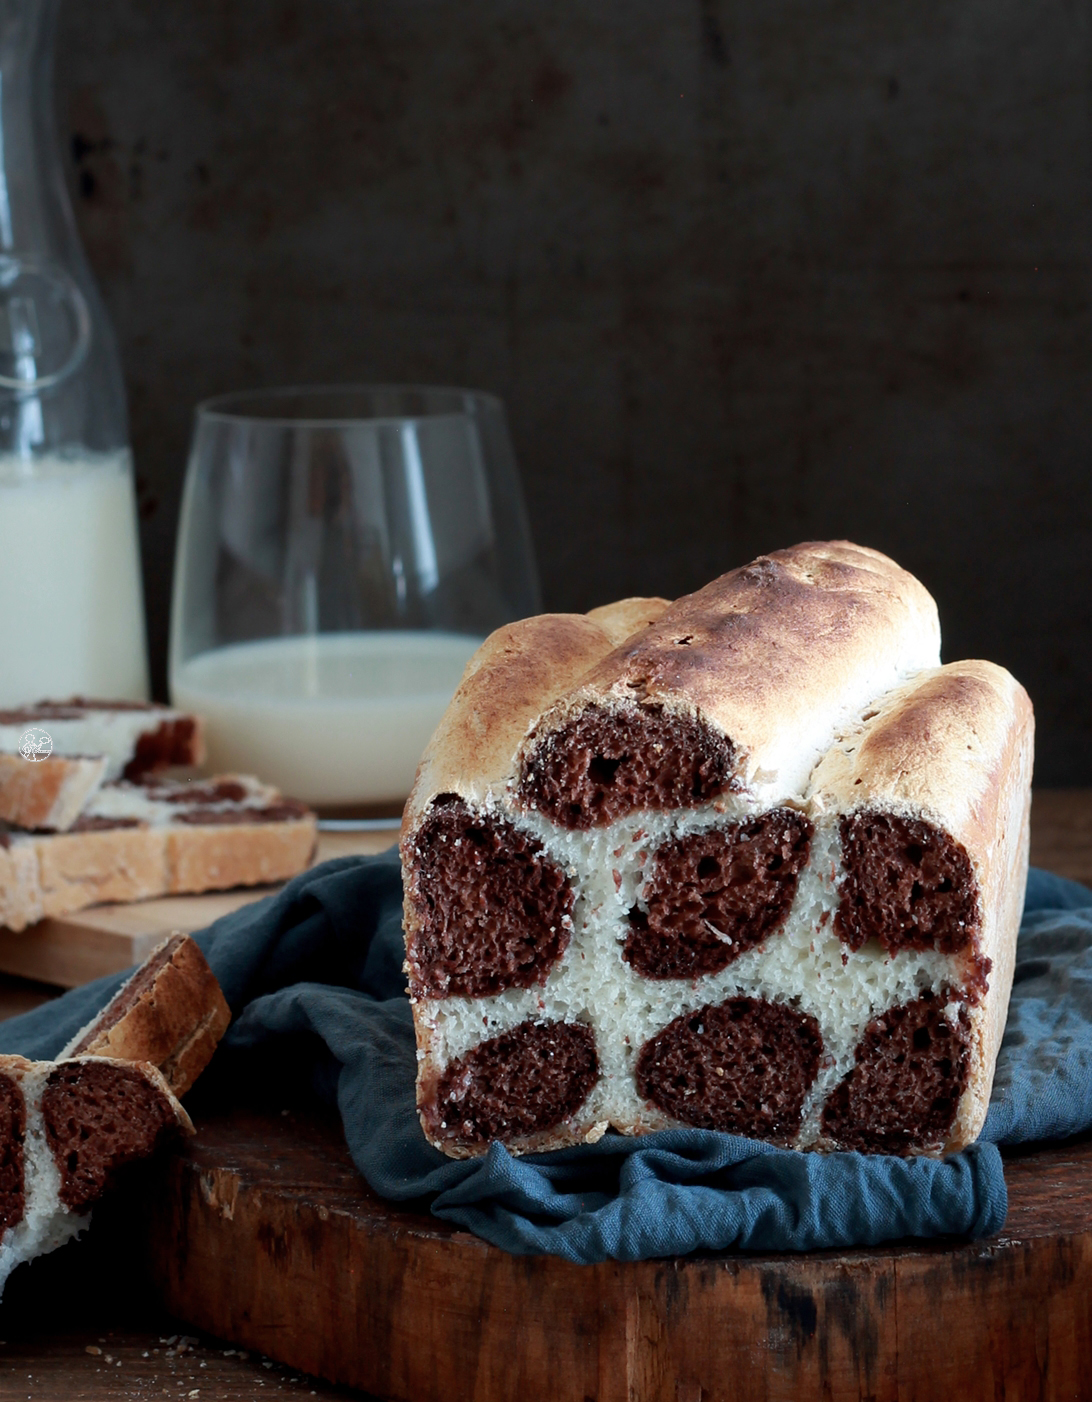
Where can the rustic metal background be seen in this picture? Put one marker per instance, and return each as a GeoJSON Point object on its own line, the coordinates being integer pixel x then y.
{"type": "Point", "coordinates": [744, 273]}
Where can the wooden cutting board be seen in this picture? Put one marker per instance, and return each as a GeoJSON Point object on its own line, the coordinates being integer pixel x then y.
{"type": "Point", "coordinates": [261, 1232]}
{"type": "Point", "coordinates": [105, 939]}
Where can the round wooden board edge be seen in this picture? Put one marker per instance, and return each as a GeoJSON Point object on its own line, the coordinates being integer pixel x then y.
{"type": "Point", "coordinates": [261, 1232]}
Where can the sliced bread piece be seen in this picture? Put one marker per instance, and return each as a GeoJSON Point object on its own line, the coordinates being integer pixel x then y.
{"type": "Point", "coordinates": [136, 737]}
{"type": "Point", "coordinates": [47, 794]}
{"type": "Point", "coordinates": [171, 1012]}
{"type": "Point", "coordinates": [926, 804]}
{"type": "Point", "coordinates": [68, 1128]}
{"type": "Point", "coordinates": [136, 841]}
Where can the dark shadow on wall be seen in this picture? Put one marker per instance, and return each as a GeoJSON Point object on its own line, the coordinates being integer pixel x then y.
{"type": "Point", "coordinates": [745, 275]}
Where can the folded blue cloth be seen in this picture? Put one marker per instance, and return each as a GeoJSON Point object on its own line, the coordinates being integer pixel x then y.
{"type": "Point", "coordinates": [323, 959]}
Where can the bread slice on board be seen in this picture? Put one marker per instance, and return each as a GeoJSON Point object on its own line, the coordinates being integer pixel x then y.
{"type": "Point", "coordinates": [157, 838]}
{"type": "Point", "coordinates": [68, 1127]}
{"type": "Point", "coordinates": [136, 737]}
{"type": "Point", "coordinates": [48, 794]}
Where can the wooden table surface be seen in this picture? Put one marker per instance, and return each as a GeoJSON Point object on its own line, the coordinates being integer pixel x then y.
{"type": "Point", "coordinates": [87, 1297]}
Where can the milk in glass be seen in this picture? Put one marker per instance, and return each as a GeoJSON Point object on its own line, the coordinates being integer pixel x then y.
{"type": "Point", "coordinates": [332, 718]}
{"type": "Point", "coordinates": [71, 612]}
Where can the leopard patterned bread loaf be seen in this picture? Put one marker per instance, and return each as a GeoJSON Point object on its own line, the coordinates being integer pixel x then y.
{"type": "Point", "coordinates": [752, 861]}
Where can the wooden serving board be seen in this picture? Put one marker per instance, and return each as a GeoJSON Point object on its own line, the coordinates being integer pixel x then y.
{"type": "Point", "coordinates": [261, 1232]}
{"type": "Point", "coordinates": [105, 939]}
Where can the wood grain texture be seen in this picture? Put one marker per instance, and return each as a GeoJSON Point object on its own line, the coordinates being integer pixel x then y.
{"type": "Point", "coordinates": [1061, 832]}
{"type": "Point", "coordinates": [149, 1363]}
{"type": "Point", "coordinates": [105, 939]}
{"type": "Point", "coordinates": [261, 1231]}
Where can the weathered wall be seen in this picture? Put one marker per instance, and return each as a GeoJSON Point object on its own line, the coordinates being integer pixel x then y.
{"type": "Point", "coordinates": [744, 273]}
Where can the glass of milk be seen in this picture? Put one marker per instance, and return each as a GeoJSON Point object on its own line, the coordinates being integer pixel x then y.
{"type": "Point", "coordinates": [342, 552]}
{"type": "Point", "coordinates": [71, 609]}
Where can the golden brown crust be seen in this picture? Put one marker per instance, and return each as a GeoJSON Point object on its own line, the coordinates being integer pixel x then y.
{"type": "Point", "coordinates": [941, 743]}
{"type": "Point", "coordinates": [954, 748]}
{"type": "Point", "coordinates": [625, 617]}
{"type": "Point", "coordinates": [774, 656]}
{"type": "Point", "coordinates": [518, 671]}
{"type": "Point", "coordinates": [78, 869]}
{"type": "Point", "coordinates": [176, 1021]}
{"type": "Point", "coordinates": [218, 857]}
{"type": "Point", "coordinates": [20, 890]}
{"type": "Point", "coordinates": [194, 1054]}
{"type": "Point", "coordinates": [49, 793]}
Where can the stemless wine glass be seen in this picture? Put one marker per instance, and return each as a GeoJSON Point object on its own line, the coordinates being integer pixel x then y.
{"type": "Point", "coordinates": [341, 553]}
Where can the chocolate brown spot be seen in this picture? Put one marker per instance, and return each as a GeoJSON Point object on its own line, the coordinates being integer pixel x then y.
{"type": "Point", "coordinates": [92, 822]}
{"type": "Point", "coordinates": [98, 1118]}
{"type": "Point", "coordinates": [911, 1068]}
{"type": "Point", "coordinates": [519, 1083]}
{"type": "Point", "coordinates": [494, 910]}
{"type": "Point", "coordinates": [172, 742]}
{"type": "Point", "coordinates": [712, 895]}
{"type": "Point", "coordinates": [744, 1067]}
{"type": "Point", "coordinates": [910, 886]}
{"type": "Point", "coordinates": [602, 765]}
{"type": "Point", "coordinates": [13, 1128]}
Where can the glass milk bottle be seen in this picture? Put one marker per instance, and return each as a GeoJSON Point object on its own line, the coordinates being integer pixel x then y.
{"type": "Point", "coordinates": [71, 613]}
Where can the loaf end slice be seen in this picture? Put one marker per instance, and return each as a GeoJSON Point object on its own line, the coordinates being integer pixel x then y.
{"type": "Point", "coordinates": [101, 1114]}
{"type": "Point", "coordinates": [171, 1012]}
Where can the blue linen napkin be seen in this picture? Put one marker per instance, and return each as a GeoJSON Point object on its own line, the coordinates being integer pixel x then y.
{"type": "Point", "coordinates": [318, 967]}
